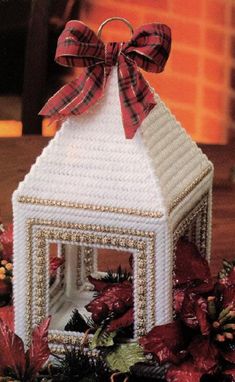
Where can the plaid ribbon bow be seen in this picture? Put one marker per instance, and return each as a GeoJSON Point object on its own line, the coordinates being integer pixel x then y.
{"type": "Point", "coordinates": [79, 46]}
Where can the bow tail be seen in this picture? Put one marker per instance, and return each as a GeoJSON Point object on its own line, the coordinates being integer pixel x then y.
{"type": "Point", "coordinates": [76, 97]}
{"type": "Point", "coordinates": [136, 97]}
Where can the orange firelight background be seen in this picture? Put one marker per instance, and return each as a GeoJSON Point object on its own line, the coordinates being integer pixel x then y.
{"type": "Point", "coordinates": [196, 82]}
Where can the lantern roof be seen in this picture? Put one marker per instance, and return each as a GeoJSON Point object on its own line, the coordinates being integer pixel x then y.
{"type": "Point", "coordinates": [90, 161]}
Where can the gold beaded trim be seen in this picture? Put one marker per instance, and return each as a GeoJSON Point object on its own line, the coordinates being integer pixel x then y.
{"type": "Point", "coordinates": [65, 339]}
{"type": "Point", "coordinates": [90, 227]}
{"type": "Point", "coordinates": [50, 231]}
{"type": "Point", "coordinates": [189, 188]}
{"type": "Point", "coordinates": [42, 236]}
{"type": "Point", "coordinates": [79, 278]}
{"type": "Point", "coordinates": [88, 254]}
{"type": "Point", "coordinates": [126, 211]}
{"type": "Point", "coordinates": [29, 279]}
{"type": "Point", "coordinates": [59, 349]}
{"type": "Point", "coordinates": [188, 226]}
{"type": "Point", "coordinates": [65, 204]}
{"type": "Point", "coordinates": [201, 211]}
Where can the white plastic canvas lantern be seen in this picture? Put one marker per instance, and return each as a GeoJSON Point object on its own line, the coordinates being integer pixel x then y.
{"type": "Point", "coordinates": [92, 188]}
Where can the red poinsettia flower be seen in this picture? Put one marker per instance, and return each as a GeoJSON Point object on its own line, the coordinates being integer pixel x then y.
{"type": "Point", "coordinates": [213, 314]}
{"type": "Point", "coordinates": [205, 353]}
{"type": "Point", "coordinates": [6, 239]}
{"type": "Point", "coordinates": [165, 342]}
{"type": "Point", "coordinates": [229, 373]}
{"type": "Point", "coordinates": [123, 321]}
{"type": "Point", "coordinates": [203, 359]}
{"type": "Point", "coordinates": [7, 316]}
{"type": "Point", "coordinates": [115, 299]}
{"type": "Point", "coordinates": [112, 277]}
{"type": "Point", "coordinates": [24, 365]}
{"type": "Point", "coordinates": [191, 268]}
{"type": "Point", "coordinates": [192, 279]}
{"type": "Point", "coordinates": [194, 313]}
{"type": "Point", "coordinates": [99, 285]}
{"type": "Point", "coordinates": [187, 372]}
{"type": "Point", "coordinates": [179, 295]}
{"type": "Point", "coordinates": [192, 273]}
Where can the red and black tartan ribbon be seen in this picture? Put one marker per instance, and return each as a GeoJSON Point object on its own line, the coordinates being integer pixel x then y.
{"type": "Point", "coordinates": [79, 46]}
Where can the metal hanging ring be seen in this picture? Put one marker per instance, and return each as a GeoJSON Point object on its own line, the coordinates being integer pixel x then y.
{"type": "Point", "coordinates": [114, 19]}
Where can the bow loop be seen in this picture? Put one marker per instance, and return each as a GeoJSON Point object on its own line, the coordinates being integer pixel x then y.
{"type": "Point", "coordinates": [150, 47]}
{"type": "Point", "coordinates": [78, 45]}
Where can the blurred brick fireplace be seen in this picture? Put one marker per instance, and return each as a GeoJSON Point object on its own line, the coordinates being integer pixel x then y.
{"type": "Point", "coordinates": [195, 83]}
